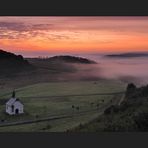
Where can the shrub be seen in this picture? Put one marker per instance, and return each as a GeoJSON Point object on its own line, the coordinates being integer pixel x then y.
{"type": "Point", "coordinates": [111, 109]}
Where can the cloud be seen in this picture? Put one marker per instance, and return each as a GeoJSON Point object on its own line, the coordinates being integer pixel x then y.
{"type": "Point", "coordinates": [53, 28]}
{"type": "Point", "coordinates": [42, 26]}
{"type": "Point", "coordinates": [20, 30]}
{"type": "Point", "coordinates": [19, 26]}
{"type": "Point", "coordinates": [17, 30]}
{"type": "Point", "coordinates": [13, 26]}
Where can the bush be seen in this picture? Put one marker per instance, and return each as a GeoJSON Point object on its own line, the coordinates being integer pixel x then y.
{"type": "Point", "coordinates": [141, 121]}
{"type": "Point", "coordinates": [130, 89]}
{"type": "Point", "coordinates": [112, 109]}
{"type": "Point", "coordinates": [47, 127]}
{"type": "Point", "coordinates": [2, 120]}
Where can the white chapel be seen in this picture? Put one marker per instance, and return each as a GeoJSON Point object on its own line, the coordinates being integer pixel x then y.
{"type": "Point", "coordinates": [14, 106]}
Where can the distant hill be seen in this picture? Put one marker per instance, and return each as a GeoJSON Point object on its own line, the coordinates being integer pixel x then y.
{"type": "Point", "coordinates": [60, 63]}
{"type": "Point", "coordinates": [128, 55]}
{"type": "Point", "coordinates": [71, 59]}
{"type": "Point", "coordinates": [10, 63]}
{"type": "Point", "coordinates": [130, 115]}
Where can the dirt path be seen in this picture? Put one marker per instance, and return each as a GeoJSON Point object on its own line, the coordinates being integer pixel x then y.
{"type": "Point", "coordinates": [122, 98]}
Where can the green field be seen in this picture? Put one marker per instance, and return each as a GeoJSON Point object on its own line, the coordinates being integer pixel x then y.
{"type": "Point", "coordinates": [36, 105]}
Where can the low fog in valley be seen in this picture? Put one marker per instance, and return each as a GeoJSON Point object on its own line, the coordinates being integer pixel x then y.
{"type": "Point", "coordinates": [125, 69]}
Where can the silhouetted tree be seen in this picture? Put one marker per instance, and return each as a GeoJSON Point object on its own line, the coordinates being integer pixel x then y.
{"type": "Point", "coordinates": [112, 109]}
{"type": "Point", "coordinates": [98, 105]}
{"type": "Point", "coordinates": [130, 89]}
{"type": "Point", "coordinates": [77, 108]}
{"type": "Point", "coordinates": [73, 107]}
{"type": "Point", "coordinates": [2, 120]}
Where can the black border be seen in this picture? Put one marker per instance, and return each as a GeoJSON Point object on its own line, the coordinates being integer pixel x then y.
{"type": "Point", "coordinates": [74, 140]}
{"type": "Point", "coordinates": [73, 8]}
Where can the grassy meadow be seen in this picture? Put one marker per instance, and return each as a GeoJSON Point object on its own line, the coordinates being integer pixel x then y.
{"type": "Point", "coordinates": [42, 100]}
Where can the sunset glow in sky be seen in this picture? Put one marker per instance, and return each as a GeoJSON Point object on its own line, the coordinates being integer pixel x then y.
{"type": "Point", "coordinates": [29, 35]}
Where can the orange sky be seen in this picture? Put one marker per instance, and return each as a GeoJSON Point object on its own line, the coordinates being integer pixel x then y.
{"type": "Point", "coordinates": [73, 34]}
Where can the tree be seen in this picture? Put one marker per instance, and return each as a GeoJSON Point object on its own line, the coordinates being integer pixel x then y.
{"type": "Point", "coordinates": [2, 120]}
{"type": "Point", "coordinates": [112, 109]}
{"type": "Point", "coordinates": [77, 108]}
{"type": "Point", "coordinates": [98, 105]}
{"type": "Point", "coordinates": [130, 89]}
{"type": "Point", "coordinates": [73, 107]}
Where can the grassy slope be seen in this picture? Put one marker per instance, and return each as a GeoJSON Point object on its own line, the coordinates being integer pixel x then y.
{"type": "Point", "coordinates": [130, 116]}
{"type": "Point", "coordinates": [57, 105]}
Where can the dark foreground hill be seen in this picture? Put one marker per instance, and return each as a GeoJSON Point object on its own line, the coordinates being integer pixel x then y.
{"type": "Point", "coordinates": [131, 115]}
{"type": "Point", "coordinates": [11, 63]}
{"type": "Point", "coordinates": [16, 71]}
